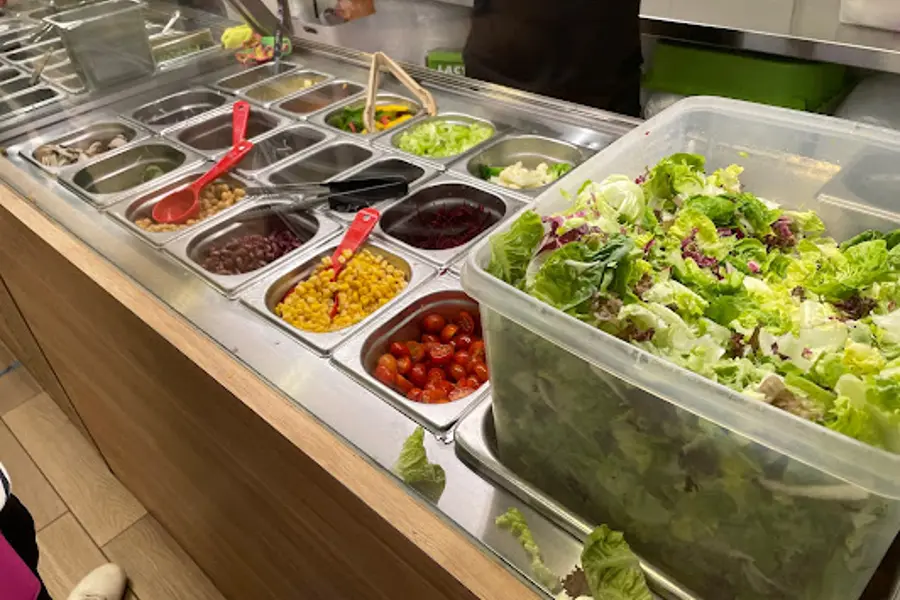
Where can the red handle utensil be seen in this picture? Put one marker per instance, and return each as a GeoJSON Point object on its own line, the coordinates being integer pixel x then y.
{"type": "Point", "coordinates": [183, 204]}
{"type": "Point", "coordinates": [356, 236]}
{"type": "Point", "coordinates": [240, 114]}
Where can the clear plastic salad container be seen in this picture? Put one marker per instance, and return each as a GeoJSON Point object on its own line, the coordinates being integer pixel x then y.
{"type": "Point", "coordinates": [734, 498]}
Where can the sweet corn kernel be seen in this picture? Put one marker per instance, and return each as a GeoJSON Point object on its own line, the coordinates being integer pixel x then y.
{"type": "Point", "coordinates": [366, 283]}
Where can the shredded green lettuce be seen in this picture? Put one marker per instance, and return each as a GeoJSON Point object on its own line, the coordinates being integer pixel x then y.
{"type": "Point", "coordinates": [612, 570]}
{"type": "Point", "coordinates": [514, 522]}
{"type": "Point", "coordinates": [413, 467]}
{"type": "Point", "coordinates": [441, 139]}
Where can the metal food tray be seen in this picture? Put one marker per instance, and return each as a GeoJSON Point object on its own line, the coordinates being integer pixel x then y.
{"type": "Point", "coordinates": [191, 249]}
{"type": "Point", "coordinates": [33, 52]}
{"type": "Point", "coordinates": [291, 141]}
{"type": "Point", "coordinates": [80, 131]}
{"type": "Point", "coordinates": [322, 117]}
{"type": "Point", "coordinates": [390, 142]}
{"type": "Point", "coordinates": [323, 162]}
{"type": "Point", "coordinates": [30, 99]}
{"type": "Point", "coordinates": [267, 293]}
{"type": "Point", "coordinates": [382, 166]}
{"type": "Point", "coordinates": [285, 85]}
{"type": "Point", "coordinates": [359, 356]}
{"type": "Point", "coordinates": [529, 149]}
{"type": "Point", "coordinates": [175, 110]}
{"type": "Point", "coordinates": [202, 38]}
{"type": "Point", "coordinates": [235, 84]}
{"type": "Point", "coordinates": [125, 165]}
{"type": "Point", "coordinates": [402, 210]}
{"type": "Point", "coordinates": [128, 210]}
{"type": "Point", "coordinates": [308, 103]}
{"type": "Point", "coordinates": [476, 446]}
{"type": "Point", "coordinates": [211, 134]}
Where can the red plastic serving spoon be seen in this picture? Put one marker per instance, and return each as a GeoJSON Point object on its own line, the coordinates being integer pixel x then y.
{"type": "Point", "coordinates": [184, 204]}
{"type": "Point", "coordinates": [240, 114]}
{"type": "Point", "coordinates": [356, 236]}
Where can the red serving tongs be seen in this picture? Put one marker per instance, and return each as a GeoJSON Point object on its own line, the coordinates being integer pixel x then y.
{"type": "Point", "coordinates": [356, 236]}
{"type": "Point", "coordinates": [184, 204]}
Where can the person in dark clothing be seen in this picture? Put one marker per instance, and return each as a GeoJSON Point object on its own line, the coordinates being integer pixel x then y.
{"type": "Point", "coordinates": [583, 51]}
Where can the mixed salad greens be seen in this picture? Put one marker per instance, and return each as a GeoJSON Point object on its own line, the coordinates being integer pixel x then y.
{"type": "Point", "coordinates": [609, 570]}
{"type": "Point", "coordinates": [692, 268]}
{"type": "Point", "coordinates": [442, 139]}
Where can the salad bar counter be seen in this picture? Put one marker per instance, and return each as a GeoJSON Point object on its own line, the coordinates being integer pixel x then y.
{"type": "Point", "coordinates": [546, 338]}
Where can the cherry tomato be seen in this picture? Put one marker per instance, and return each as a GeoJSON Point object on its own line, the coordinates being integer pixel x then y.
{"type": "Point", "coordinates": [388, 362]}
{"type": "Point", "coordinates": [399, 349]}
{"type": "Point", "coordinates": [480, 371]}
{"type": "Point", "coordinates": [459, 393]}
{"type": "Point", "coordinates": [462, 341]}
{"type": "Point", "coordinates": [416, 351]}
{"type": "Point", "coordinates": [418, 374]}
{"type": "Point", "coordinates": [448, 332]}
{"type": "Point", "coordinates": [435, 374]}
{"type": "Point", "coordinates": [415, 394]}
{"type": "Point", "coordinates": [445, 385]}
{"type": "Point", "coordinates": [433, 323]}
{"type": "Point", "coordinates": [462, 358]}
{"type": "Point", "coordinates": [434, 396]}
{"type": "Point", "coordinates": [430, 338]}
{"type": "Point", "coordinates": [456, 372]}
{"type": "Point", "coordinates": [469, 382]}
{"type": "Point", "coordinates": [440, 355]}
{"type": "Point", "coordinates": [466, 322]}
{"type": "Point", "coordinates": [476, 349]}
{"type": "Point", "coordinates": [384, 375]}
{"type": "Point", "coordinates": [403, 384]}
{"type": "Point", "coordinates": [404, 365]}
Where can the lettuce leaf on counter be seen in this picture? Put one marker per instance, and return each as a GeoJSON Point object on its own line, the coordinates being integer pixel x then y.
{"type": "Point", "coordinates": [612, 570]}
{"type": "Point", "coordinates": [413, 467]}
{"type": "Point", "coordinates": [514, 522]}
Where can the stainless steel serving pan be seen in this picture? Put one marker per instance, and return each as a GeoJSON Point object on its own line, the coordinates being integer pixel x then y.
{"type": "Point", "coordinates": [359, 356]}
{"type": "Point", "coordinates": [324, 118]}
{"type": "Point", "coordinates": [312, 229]}
{"type": "Point", "coordinates": [268, 293]}
{"type": "Point", "coordinates": [392, 141]}
{"type": "Point", "coordinates": [309, 102]}
{"type": "Point", "coordinates": [80, 133]}
{"type": "Point", "coordinates": [280, 146]}
{"type": "Point", "coordinates": [235, 84]}
{"type": "Point", "coordinates": [29, 100]}
{"type": "Point", "coordinates": [140, 205]}
{"type": "Point", "coordinates": [530, 150]}
{"type": "Point", "coordinates": [172, 111]}
{"type": "Point", "coordinates": [398, 221]}
{"type": "Point", "coordinates": [124, 172]}
{"type": "Point", "coordinates": [416, 174]}
{"type": "Point", "coordinates": [171, 53]}
{"type": "Point", "coordinates": [211, 135]}
{"type": "Point", "coordinates": [280, 87]}
{"type": "Point", "coordinates": [319, 164]}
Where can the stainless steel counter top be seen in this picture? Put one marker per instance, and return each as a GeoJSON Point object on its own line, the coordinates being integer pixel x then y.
{"type": "Point", "coordinates": [312, 383]}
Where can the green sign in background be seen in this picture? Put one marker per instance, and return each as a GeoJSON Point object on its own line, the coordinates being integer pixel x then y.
{"type": "Point", "coordinates": [447, 61]}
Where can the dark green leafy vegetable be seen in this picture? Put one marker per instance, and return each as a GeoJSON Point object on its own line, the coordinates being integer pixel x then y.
{"type": "Point", "coordinates": [486, 172]}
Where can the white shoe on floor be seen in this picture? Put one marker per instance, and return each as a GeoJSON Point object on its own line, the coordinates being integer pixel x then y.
{"type": "Point", "coordinates": [103, 583]}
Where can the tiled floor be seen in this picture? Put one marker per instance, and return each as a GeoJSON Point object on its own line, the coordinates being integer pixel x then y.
{"type": "Point", "coordinates": [84, 515]}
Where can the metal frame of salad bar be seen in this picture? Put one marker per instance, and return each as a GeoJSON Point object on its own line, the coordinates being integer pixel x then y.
{"type": "Point", "coordinates": [179, 124]}
{"type": "Point", "coordinates": [331, 380]}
